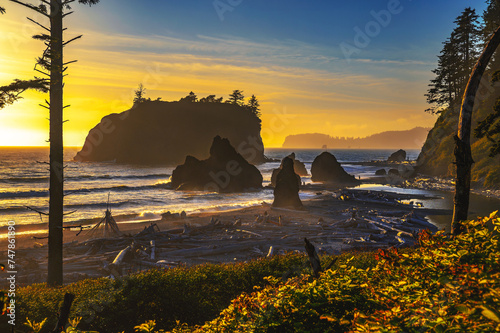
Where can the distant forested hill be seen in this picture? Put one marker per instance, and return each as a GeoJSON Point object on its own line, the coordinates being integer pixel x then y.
{"type": "Point", "coordinates": [409, 139]}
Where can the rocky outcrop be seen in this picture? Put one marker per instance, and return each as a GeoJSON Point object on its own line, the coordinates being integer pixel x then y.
{"type": "Point", "coordinates": [298, 167]}
{"type": "Point", "coordinates": [286, 191]}
{"type": "Point", "coordinates": [156, 132]}
{"type": "Point", "coordinates": [224, 171]}
{"type": "Point", "coordinates": [325, 168]}
{"type": "Point", "coordinates": [380, 172]}
{"type": "Point", "coordinates": [437, 158]}
{"type": "Point", "coordinates": [398, 156]}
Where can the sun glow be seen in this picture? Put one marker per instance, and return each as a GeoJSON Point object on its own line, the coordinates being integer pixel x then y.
{"type": "Point", "coordinates": [293, 99]}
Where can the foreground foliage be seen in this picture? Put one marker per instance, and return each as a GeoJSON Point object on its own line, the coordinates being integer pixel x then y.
{"type": "Point", "coordinates": [186, 294]}
{"type": "Point", "coordinates": [443, 285]}
{"type": "Point", "coordinates": [446, 284]}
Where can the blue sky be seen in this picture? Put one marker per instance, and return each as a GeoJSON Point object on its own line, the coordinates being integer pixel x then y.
{"type": "Point", "coordinates": [288, 53]}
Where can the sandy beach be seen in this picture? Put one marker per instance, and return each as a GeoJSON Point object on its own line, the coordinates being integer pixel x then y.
{"type": "Point", "coordinates": [334, 220]}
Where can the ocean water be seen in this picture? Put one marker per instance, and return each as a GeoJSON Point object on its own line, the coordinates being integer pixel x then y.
{"type": "Point", "coordinates": [135, 192]}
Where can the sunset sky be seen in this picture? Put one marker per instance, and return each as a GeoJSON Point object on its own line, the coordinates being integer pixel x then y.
{"type": "Point", "coordinates": [343, 68]}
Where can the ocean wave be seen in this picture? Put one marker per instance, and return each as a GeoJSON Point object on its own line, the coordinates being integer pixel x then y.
{"type": "Point", "coordinates": [24, 194]}
{"type": "Point", "coordinates": [102, 205]}
{"type": "Point", "coordinates": [30, 180]}
{"type": "Point", "coordinates": [11, 210]}
{"type": "Point", "coordinates": [24, 180]}
{"type": "Point", "coordinates": [45, 193]}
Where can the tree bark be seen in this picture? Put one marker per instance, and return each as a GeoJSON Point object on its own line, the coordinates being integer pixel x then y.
{"type": "Point", "coordinates": [64, 313]}
{"type": "Point", "coordinates": [313, 258]}
{"type": "Point", "coordinates": [55, 242]}
{"type": "Point", "coordinates": [463, 155]}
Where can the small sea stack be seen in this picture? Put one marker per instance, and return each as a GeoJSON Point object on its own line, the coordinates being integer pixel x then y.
{"type": "Point", "coordinates": [398, 156]}
{"type": "Point", "coordinates": [225, 171]}
{"type": "Point", "coordinates": [326, 168]}
{"type": "Point", "coordinates": [298, 167]}
{"type": "Point", "coordinates": [286, 191]}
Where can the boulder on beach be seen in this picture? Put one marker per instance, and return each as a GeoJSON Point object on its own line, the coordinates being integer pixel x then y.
{"type": "Point", "coordinates": [394, 172]}
{"type": "Point", "coordinates": [224, 171]}
{"type": "Point", "coordinates": [398, 156]}
{"type": "Point", "coordinates": [286, 191]}
{"type": "Point", "coordinates": [380, 172]}
{"type": "Point", "coordinates": [298, 167]}
{"type": "Point", "coordinates": [326, 168]}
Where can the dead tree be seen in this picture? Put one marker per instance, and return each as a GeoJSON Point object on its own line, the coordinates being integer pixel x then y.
{"type": "Point", "coordinates": [62, 320]}
{"type": "Point", "coordinates": [53, 66]}
{"type": "Point", "coordinates": [463, 154]}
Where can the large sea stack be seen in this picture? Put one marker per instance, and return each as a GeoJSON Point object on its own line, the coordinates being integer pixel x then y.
{"type": "Point", "coordinates": [156, 132]}
{"type": "Point", "coordinates": [325, 168]}
{"type": "Point", "coordinates": [224, 171]}
{"type": "Point", "coordinates": [286, 191]}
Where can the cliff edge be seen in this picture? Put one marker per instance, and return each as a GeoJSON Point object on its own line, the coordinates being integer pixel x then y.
{"type": "Point", "coordinates": [436, 157]}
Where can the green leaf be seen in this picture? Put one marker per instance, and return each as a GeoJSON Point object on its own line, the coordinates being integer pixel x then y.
{"type": "Point", "coordinates": [490, 314]}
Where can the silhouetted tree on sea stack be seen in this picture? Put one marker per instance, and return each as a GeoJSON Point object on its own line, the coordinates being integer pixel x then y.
{"type": "Point", "coordinates": [53, 66]}
{"type": "Point", "coordinates": [253, 105]}
{"type": "Point", "coordinates": [236, 97]}
{"type": "Point", "coordinates": [190, 98]}
{"type": "Point", "coordinates": [139, 94]}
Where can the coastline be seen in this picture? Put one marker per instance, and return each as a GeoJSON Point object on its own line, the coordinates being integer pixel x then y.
{"type": "Point", "coordinates": [334, 220]}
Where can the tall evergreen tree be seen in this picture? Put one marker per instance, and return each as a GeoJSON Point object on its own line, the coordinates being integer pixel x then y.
{"type": "Point", "coordinates": [236, 97]}
{"type": "Point", "coordinates": [53, 65]}
{"type": "Point", "coordinates": [253, 105]}
{"type": "Point", "coordinates": [455, 63]}
{"type": "Point", "coordinates": [491, 19]}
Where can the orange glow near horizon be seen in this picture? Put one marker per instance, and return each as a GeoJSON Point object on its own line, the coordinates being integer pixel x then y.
{"type": "Point", "coordinates": [293, 100]}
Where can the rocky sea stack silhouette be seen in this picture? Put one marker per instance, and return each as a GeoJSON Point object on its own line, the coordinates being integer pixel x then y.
{"type": "Point", "coordinates": [156, 132]}
{"type": "Point", "coordinates": [326, 168]}
{"type": "Point", "coordinates": [224, 171]}
{"type": "Point", "coordinates": [286, 191]}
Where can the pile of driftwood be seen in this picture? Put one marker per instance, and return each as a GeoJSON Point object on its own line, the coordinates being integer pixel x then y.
{"type": "Point", "coordinates": [346, 221]}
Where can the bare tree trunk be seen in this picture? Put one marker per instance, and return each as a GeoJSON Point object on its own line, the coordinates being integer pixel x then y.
{"type": "Point", "coordinates": [55, 259]}
{"type": "Point", "coordinates": [64, 313]}
{"type": "Point", "coordinates": [463, 155]}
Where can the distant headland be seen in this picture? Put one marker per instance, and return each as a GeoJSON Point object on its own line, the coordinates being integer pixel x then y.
{"type": "Point", "coordinates": [409, 139]}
